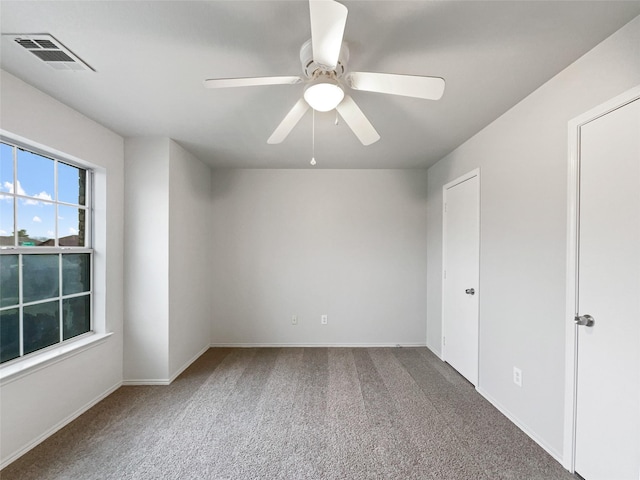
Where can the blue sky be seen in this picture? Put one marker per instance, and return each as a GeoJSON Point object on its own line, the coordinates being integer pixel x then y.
{"type": "Point", "coordinates": [35, 179]}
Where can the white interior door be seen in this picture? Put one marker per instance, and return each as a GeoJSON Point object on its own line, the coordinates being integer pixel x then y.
{"type": "Point", "coordinates": [608, 375]}
{"type": "Point", "coordinates": [461, 266]}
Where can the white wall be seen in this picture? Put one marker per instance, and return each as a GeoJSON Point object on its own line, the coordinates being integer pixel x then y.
{"type": "Point", "coordinates": [523, 161]}
{"type": "Point", "coordinates": [146, 281]}
{"type": "Point", "coordinates": [167, 259]}
{"type": "Point", "coordinates": [346, 243]}
{"type": "Point", "coordinates": [76, 382]}
{"type": "Point", "coordinates": [190, 228]}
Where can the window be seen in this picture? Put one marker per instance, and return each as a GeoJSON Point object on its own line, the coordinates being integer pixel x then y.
{"type": "Point", "coordinates": [45, 252]}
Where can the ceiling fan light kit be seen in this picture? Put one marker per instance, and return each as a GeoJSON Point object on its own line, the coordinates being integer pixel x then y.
{"type": "Point", "coordinates": [324, 64]}
{"type": "Point", "coordinates": [323, 94]}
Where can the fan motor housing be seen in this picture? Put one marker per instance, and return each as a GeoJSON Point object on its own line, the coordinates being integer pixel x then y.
{"type": "Point", "coordinates": [311, 68]}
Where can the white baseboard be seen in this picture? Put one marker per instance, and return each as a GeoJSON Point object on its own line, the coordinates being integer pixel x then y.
{"type": "Point", "coordinates": [556, 455]}
{"type": "Point", "coordinates": [323, 345]}
{"type": "Point", "coordinates": [41, 438]}
{"type": "Point", "coordinates": [145, 381]}
{"type": "Point", "coordinates": [165, 381]}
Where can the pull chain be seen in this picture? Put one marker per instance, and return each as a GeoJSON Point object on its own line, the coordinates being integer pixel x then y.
{"type": "Point", "coordinates": [313, 137]}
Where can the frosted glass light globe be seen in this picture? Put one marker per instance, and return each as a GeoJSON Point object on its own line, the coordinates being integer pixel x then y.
{"type": "Point", "coordinates": [324, 95]}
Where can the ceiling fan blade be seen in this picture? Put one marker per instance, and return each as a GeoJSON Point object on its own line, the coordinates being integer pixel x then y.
{"type": "Point", "coordinates": [250, 81]}
{"type": "Point", "coordinates": [429, 88]}
{"type": "Point", "coordinates": [290, 120]}
{"type": "Point", "coordinates": [328, 19]}
{"type": "Point", "coordinates": [356, 120]}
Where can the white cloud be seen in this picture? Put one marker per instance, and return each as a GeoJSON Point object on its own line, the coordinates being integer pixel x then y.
{"type": "Point", "coordinates": [8, 186]}
{"type": "Point", "coordinates": [37, 219]}
{"type": "Point", "coordinates": [3, 232]}
{"type": "Point", "coordinates": [50, 233]}
{"type": "Point", "coordinates": [73, 231]}
{"type": "Point", "coordinates": [41, 196]}
{"type": "Point", "coordinates": [60, 218]}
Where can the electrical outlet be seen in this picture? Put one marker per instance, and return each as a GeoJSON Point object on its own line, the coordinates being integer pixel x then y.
{"type": "Point", "coordinates": [294, 319]}
{"type": "Point", "coordinates": [324, 319]}
{"type": "Point", "coordinates": [517, 376]}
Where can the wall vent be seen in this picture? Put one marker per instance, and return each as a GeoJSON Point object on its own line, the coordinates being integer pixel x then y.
{"type": "Point", "coordinates": [50, 51]}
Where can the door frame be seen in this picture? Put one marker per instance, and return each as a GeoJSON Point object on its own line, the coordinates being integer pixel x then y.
{"type": "Point", "coordinates": [573, 247]}
{"type": "Point", "coordinates": [463, 178]}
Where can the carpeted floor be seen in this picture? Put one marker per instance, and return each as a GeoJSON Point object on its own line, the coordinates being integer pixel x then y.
{"type": "Point", "coordinates": [295, 413]}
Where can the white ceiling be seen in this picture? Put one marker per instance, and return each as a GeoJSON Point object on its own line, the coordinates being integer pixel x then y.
{"type": "Point", "coordinates": [151, 57]}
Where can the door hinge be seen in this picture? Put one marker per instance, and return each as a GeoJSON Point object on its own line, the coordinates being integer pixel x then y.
{"type": "Point", "coordinates": [445, 274]}
{"type": "Point", "coordinates": [444, 341]}
{"type": "Point", "coordinates": [445, 208]}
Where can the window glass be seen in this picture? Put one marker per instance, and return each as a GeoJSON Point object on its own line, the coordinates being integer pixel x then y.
{"type": "Point", "coordinates": [40, 277]}
{"type": "Point", "coordinates": [72, 183]}
{"type": "Point", "coordinates": [35, 176]}
{"type": "Point", "coordinates": [45, 298]}
{"type": "Point", "coordinates": [76, 270]}
{"type": "Point", "coordinates": [6, 221]}
{"type": "Point", "coordinates": [36, 223]}
{"type": "Point", "coordinates": [71, 226]}
{"type": "Point", "coordinates": [76, 314]}
{"type": "Point", "coordinates": [6, 168]}
{"type": "Point", "coordinates": [9, 334]}
{"type": "Point", "coordinates": [6, 201]}
{"type": "Point", "coordinates": [41, 323]}
{"type": "Point", "coordinates": [10, 276]}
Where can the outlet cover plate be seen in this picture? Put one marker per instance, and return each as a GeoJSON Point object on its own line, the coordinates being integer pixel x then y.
{"type": "Point", "coordinates": [517, 376]}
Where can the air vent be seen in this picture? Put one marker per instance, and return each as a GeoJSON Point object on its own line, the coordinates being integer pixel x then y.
{"type": "Point", "coordinates": [47, 44]}
{"type": "Point", "coordinates": [27, 43]}
{"type": "Point", "coordinates": [50, 51]}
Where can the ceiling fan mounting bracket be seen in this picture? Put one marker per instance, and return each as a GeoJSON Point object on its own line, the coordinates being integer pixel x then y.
{"type": "Point", "coordinates": [319, 74]}
{"type": "Point", "coordinates": [312, 69]}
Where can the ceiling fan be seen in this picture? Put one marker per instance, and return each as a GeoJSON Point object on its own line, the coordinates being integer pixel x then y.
{"type": "Point", "coordinates": [324, 63]}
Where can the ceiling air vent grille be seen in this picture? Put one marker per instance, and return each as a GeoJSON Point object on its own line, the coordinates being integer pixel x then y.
{"type": "Point", "coordinates": [27, 43]}
{"type": "Point", "coordinates": [52, 56]}
{"type": "Point", "coordinates": [50, 51]}
{"type": "Point", "coordinates": [46, 44]}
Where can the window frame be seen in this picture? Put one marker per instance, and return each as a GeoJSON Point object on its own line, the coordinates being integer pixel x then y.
{"type": "Point", "coordinates": [60, 251]}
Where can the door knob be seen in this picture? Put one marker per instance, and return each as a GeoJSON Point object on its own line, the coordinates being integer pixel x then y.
{"type": "Point", "coordinates": [470, 291]}
{"type": "Point", "coordinates": [586, 320]}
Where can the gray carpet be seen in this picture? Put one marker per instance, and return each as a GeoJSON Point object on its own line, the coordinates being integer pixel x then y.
{"type": "Point", "coordinates": [295, 413]}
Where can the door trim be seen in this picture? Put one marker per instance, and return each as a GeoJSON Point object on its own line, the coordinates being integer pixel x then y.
{"type": "Point", "coordinates": [463, 178]}
{"type": "Point", "coordinates": [573, 247]}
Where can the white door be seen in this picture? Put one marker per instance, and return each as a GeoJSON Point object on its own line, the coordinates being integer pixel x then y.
{"type": "Point", "coordinates": [461, 266]}
{"type": "Point", "coordinates": [608, 373]}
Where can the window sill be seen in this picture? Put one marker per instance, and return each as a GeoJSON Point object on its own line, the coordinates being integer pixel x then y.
{"type": "Point", "coordinates": [27, 366]}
